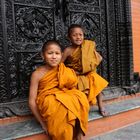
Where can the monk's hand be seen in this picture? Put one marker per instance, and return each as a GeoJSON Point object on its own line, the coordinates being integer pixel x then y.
{"type": "Point", "coordinates": [46, 131]}
{"type": "Point", "coordinates": [44, 128]}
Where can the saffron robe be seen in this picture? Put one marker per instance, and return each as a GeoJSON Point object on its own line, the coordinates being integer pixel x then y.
{"type": "Point", "coordinates": [61, 104]}
{"type": "Point", "coordinates": [85, 60]}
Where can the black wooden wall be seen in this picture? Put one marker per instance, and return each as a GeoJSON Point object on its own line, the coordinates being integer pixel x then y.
{"type": "Point", "coordinates": [26, 24]}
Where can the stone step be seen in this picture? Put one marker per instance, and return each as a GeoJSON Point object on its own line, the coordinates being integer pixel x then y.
{"type": "Point", "coordinates": [101, 127]}
{"type": "Point", "coordinates": [30, 127]}
{"type": "Point", "coordinates": [115, 107]}
{"type": "Point", "coordinates": [131, 132]}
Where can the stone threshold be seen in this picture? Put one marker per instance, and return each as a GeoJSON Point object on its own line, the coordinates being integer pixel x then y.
{"type": "Point", "coordinates": [30, 127]}
{"type": "Point", "coordinates": [116, 107]}
{"type": "Point", "coordinates": [129, 132]}
{"type": "Point", "coordinates": [103, 128]}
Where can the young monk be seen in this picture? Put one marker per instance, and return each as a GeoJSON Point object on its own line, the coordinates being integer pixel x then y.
{"type": "Point", "coordinates": [84, 59]}
{"type": "Point", "coordinates": [61, 109]}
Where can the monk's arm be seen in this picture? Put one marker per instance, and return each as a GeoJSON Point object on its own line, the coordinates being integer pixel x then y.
{"type": "Point", "coordinates": [65, 54]}
{"type": "Point", "coordinates": [32, 99]}
{"type": "Point", "coordinates": [98, 56]}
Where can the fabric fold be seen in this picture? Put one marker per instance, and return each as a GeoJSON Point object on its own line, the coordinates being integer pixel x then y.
{"type": "Point", "coordinates": [60, 103]}
{"type": "Point", "coordinates": [85, 60]}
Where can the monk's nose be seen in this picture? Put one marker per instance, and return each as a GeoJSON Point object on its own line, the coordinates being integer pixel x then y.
{"type": "Point", "coordinates": [54, 55]}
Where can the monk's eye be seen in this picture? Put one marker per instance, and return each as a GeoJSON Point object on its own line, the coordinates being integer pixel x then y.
{"type": "Point", "coordinates": [58, 53]}
{"type": "Point", "coordinates": [50, 52]}
{"type": "Point", "coordinates": [74, 35]}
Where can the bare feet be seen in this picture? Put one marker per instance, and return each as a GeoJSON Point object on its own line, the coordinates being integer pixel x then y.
{"type": "Point", "coordinates": [104, 113]}
{"type": "Point", "coordinates": [78, 131]}
{"type": "Point", "coordinates": [101, 106]}
{"type": "Point", "coordinates": [79, 136]}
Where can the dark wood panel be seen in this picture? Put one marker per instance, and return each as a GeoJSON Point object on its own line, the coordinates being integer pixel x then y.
{"type": "Point", "coordinates": [25, 25]}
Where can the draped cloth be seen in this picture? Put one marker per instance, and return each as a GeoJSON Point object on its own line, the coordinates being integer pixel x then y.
{"type": "Point", "coordinates": [61, 104]}
{"type": "Point", "coordinates": [85, 60]}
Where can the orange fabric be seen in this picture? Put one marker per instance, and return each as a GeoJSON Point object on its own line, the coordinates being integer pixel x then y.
{"type": "Point", "coordinates": [88, 79]}
{"type": "Point", "coordinates": [74, 61]}
{"type": "Point", "coordinates": [96, 85]}
{"type": "Point", "coordinates": [60, 103]}
{"type": "Point", "coordinates": [90, 57]}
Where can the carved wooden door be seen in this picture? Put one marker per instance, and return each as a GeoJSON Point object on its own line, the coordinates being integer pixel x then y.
{"type": "Point", "coordinates": [26, 24]}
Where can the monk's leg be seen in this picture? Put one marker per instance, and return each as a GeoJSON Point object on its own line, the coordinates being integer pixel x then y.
{"type": "Point", "coordinates": [64, 132]}
{"type": "Point", "coordinates": [78, 133]}
{"type": "Point", "coordinates": [102, 110]}
{"type": "Point", "coordinates": [59, 127]}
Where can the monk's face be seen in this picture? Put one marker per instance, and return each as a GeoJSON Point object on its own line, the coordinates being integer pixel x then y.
{"type": "Point", "coordinates": [76, 36]}
{"type": "Point", "coordinates": [52, 55]}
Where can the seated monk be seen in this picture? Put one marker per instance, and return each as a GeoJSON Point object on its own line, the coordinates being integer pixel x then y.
{"type": "Point", "coordinates": [82, 56]}
{"type": "Point", "coordinates": [61, 109]}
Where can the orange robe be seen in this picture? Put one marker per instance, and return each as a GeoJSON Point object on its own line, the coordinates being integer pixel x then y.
{"type": "Point", "coordinates": [85, 60]}
{"type": "Point", "coordinates": [60, 103]}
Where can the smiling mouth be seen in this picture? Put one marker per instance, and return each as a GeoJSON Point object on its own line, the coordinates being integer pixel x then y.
{"type": "Point", "coordinates": [78, 40]}
{"type": "Point", "coordinates": [54, 61]}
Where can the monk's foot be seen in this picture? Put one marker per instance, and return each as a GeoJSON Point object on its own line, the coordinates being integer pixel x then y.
{"type": "Point", "coordinates": [104, 113]}
{"type": "Point", "coordinates": [48, 137]}
{"type": "Point", "coordinates": [79, 136]}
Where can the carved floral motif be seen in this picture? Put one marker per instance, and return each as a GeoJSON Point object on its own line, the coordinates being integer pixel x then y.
{"type": "Point", "coordinates": [33, 24]}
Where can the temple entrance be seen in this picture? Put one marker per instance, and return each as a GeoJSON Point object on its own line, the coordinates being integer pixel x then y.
{"type": "Point", "coordinates": [26, 24]}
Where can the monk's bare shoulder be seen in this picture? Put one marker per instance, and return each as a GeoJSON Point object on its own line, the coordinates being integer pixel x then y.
{"type": "Point", "coordinates": [68, 50]}
{"type": "Point", "coordinates": [66, 53]}
{"type": "Point", "coordinates": [38, 73]}
{"type": "Point", "coordinates": [35, 75]}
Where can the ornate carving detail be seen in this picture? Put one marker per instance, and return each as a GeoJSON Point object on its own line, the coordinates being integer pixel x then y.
{"type": "Point", "coordinates": [103, 41]}
{"type": "Point", "coordinates": [112, 53]}
{"type": "Point", "coordinates": [33, 24]}
{"type": "Point", "coordinates": [27, 62]}
{"type": "Point", "coordinates": [113, 92]}
{"type": "Point", "coordinates": [85, 8]}
{"type": "Point", "coordinates": [85, 2]}
{"type": "Point", "coordinates": [3, 85]}
{"type": "Point", "coordinates": [59, 26]}
{"type": "Point", "coordinates": [16, 108]}
{"type": "Point", "coordinates": [25, 29]}
{"type": "Point", "coordinates": [42, 3]}
{"type": "Point", "coordinates": [124, 42]}
{"type": "Point", "coordinates": [3, 75]}
{"type": "Point", "coordinates": [11, 67]}
{"type": "Point", "coordinates": [28, 23]}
